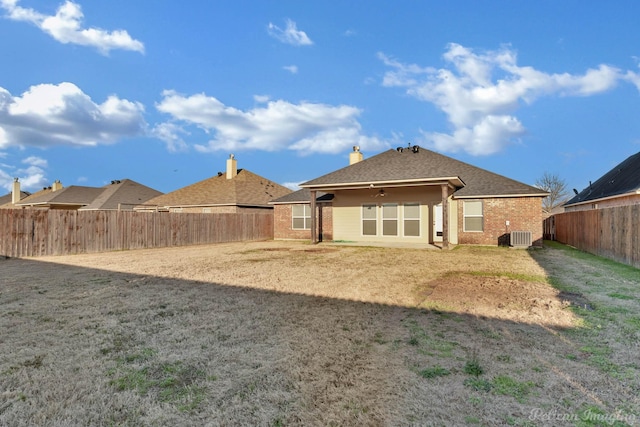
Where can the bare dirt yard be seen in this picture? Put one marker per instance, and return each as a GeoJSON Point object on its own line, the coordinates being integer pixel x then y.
{"type": "Point", "coordinates": [285, 333]}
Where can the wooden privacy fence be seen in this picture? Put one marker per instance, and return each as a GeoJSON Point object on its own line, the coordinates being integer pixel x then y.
{"type": "Point", "coordinates": [612, 233]}
{"type": "Point", "coordinates": [31, 232]}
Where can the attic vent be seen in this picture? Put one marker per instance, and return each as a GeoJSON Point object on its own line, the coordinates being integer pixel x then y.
{"type": "Point", "coordinates": [521, 239]}
{"type": "Point", "coordinates": [413, 149]}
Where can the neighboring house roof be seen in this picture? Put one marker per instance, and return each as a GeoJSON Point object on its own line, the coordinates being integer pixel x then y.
{"type": "Point", "coordinates": [6, 200]}
{"type": "Point", "coordinates": [417, 165]}
{"type": "Point", "coordinates": [35, 195]}
{"type": "Point", "coordinates": [122, 194]}
{"type": "Point", "coordinates": [74, 195]}
{"type": "Point", "coordinates": [622, 180]}
{"type": "Point", "coordinates": [302, 196]}
{"type": "Point", "coordinates": [244, 189]}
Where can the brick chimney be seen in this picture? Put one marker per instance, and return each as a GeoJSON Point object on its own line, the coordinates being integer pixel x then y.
{"type": "Point", "coordinates": [57, 185]}
{"type": "Point", "coordinates": [355, 156]}
{"type": "Point", "coordinates": [232, 166]}
{"type": "Point", "coordinates": [15, 191]}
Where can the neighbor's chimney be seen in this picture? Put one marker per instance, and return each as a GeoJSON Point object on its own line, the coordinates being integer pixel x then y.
{"type": "Point", "coordinates": [232, 166]}
{"type": "Point", "coordinates": [57, 185]}
{"type": "Point", "coordinates": [15, 194]}
{"type": "Point", "coordinates": [355, 156]}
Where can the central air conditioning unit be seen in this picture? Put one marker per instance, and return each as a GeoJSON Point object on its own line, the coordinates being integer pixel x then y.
{"type": "Point", "coordinates": [521, 239]}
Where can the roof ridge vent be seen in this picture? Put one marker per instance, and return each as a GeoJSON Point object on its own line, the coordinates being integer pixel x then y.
{"type": "Point", "coordinates": [412, 148]}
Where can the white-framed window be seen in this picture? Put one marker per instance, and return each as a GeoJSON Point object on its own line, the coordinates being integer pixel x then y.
{"type": "Point", "coordinates": [411, 219]}
{"type": "Point", "coordinates": [206, 210]}
{"type": "Point", "coordinates": [301, 217]}
{"type": "Point", "coordinates": [473, 216]}
{"type": "Point", "coordinates": [369, 220]}
{"type": "Point", "coordinates": [177, 210]}
{"type": "Point", "coordinates": [389, 219]}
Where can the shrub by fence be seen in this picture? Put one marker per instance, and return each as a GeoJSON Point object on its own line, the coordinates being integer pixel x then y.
{"type": "Point", "coordinates": [612, 233]}
{"type": "Point", "coordinates": [31, 232]}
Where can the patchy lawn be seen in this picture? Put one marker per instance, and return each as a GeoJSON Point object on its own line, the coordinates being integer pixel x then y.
{"type": "Point", "coordinates": [285, 333]}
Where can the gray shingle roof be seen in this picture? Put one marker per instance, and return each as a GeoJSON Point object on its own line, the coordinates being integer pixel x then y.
{"type": "Point", "coordinates": [122, 194]}
{"type": "Point", "coordinates": [622, 179]}
{"type": "Point", "coordinates": [245, 189]}
{"type": "Point", "coordinates": [5, 201]}
{"type": "Point", "coordinates": [407, 165]}
{"type": "Point", "coordinates": [72, 195]}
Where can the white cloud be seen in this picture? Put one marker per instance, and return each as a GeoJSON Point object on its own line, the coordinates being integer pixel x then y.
{"type": "Point", "coordinates": [293, 69]}
{"type": "Point", "coordinates": [50, 114]}
{"type": "Point", "coordinates": [277, 125]}
{"type": "Point", "coordinates": [31, 176]}
{"type": "Point", "coordinates": [36, 161]}
{"type": "Point", "coordinates": [290, 35]}
{"type": "Point", "coordinates": [66, 27]}
{"type": "Point", "coordinates": [261, 99]}
{"type": "Point", "coordinates": [170, 134]}
{"type": "Point", "coordinates": [480, 93]}
{"type": "Point", "coordinates": [630, 76]}
{"type": "Point", "coordinates": [485, 137]}
{"type": "Point", "coordinates": [295, 186]}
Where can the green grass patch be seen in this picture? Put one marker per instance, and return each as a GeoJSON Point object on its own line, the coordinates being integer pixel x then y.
{"type": "Point", "coordinates": [618, 295]}
{"type": "Point", "coordinates": [507, 386]}
{"type": "Point", "coordinates": [175, 383]}
{"type": "Point", "coordinates": [622, 270]}
{"type": "Point", "coordinates": [633, 321]}
{"type": "Point", "coordinates": [172, 383]}
{"type": "Point", "coordinates": [426, 344]}
{"type": "Point", "coordinates": [473, 367]}
{"type": "Point", "coordinates": [598, 356]}
{"type": "Point", "coordinates": [132, 379]}
{"type": "Point", "coordinates": [434, 372]}
{"type": "Point", "coordinates": [478, 384]}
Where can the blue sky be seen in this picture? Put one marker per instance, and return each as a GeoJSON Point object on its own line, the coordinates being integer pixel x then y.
{"type": "Point", "coordinates": [162, 92]}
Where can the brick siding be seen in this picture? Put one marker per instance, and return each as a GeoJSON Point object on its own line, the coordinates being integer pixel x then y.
{"type": "Point", "coordinates": [523, 214]}
{"type": "Point", "coordinates": [282, 223]}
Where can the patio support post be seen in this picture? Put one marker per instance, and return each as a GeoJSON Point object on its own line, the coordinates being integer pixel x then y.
{"type": "Point", "coordinates": [314, 228]}
{"type": "Point", "coordinates": [445, 216]}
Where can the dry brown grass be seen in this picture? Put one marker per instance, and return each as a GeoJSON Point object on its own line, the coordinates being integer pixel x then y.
{"type": "Point", "coordinates": [284, 333]}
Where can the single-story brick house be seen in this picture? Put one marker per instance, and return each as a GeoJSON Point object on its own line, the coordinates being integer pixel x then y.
{"type": "Point", "coordinates": [415, 195]}
{"type": "Point", "coordinates": [234, 191]}
{"type": "Point", "coordinates": [618, 187]}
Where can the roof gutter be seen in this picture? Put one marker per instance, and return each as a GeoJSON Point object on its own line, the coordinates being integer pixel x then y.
{"type": "Point", "coordinates": [497, 196]}
{"type": "Point", "coordinates": [455, 181]}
